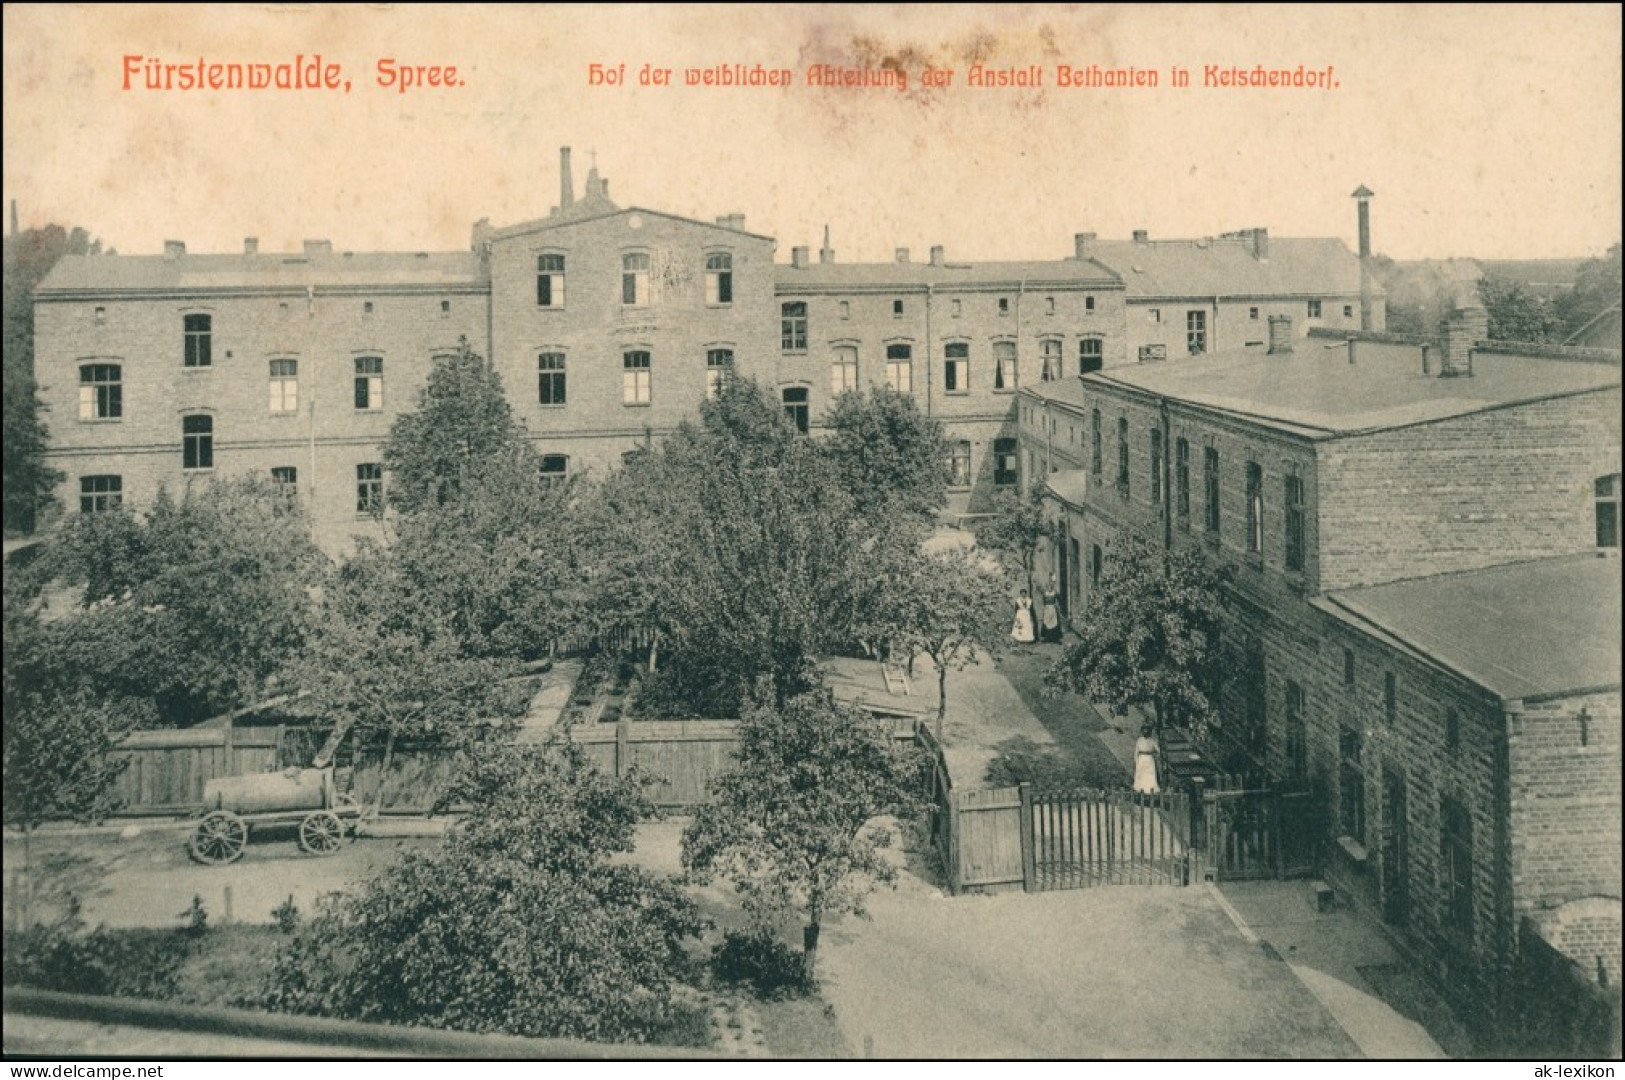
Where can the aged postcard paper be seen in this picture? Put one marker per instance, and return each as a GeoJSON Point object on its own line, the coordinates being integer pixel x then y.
{"type": "Point", "coordinates": [1040, 221]}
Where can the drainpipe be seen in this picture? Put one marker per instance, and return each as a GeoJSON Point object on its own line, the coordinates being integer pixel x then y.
{"type": "Point", "coordinates": [1165, 508]}
{"type": "Point", "coordinates": [313, 351]}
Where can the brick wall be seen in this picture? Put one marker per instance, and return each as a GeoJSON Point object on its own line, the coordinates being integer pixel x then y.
{"type": "Point", "coordinates": [1588, 932]}
{"type": "Point", "coordinates": [1493, 487]}
{"type": "Point", "coordinates": [1232, 322]}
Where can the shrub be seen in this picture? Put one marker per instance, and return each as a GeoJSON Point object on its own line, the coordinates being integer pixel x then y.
{"type": "Point", "coordinates": [122, 963]}
{"type": "Point", "coordinates": [286, 915]}
{"type": "Point", "coordinates": [762, 961]}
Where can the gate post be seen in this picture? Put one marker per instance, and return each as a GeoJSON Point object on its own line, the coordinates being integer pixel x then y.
{"type": "Point", "coordinates": [1029, 875]}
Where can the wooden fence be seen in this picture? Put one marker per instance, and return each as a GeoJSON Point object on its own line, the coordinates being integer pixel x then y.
{"type": "Point", "coordinates": [1247, 833]}
{"type": "Point", "coordinates": [167, 769]}
{"type": "Point", "coordinates": [1084, 838]}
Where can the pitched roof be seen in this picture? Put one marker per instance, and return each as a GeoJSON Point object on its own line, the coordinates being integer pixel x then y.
{"type": "Point", "coordinates": [1226, 266]}
{"type": "Point", "coordinates": [915, 275]}
{"type": "Point", "coordinates": [291, 271]}
{"type": "Point", "coordinates": [1315, 391]}
{"type": "Point", "coordinates": [1529, 629]}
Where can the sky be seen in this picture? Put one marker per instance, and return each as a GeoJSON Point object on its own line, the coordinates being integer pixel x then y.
{"type": "Point", "coordinates": [1485, 132]}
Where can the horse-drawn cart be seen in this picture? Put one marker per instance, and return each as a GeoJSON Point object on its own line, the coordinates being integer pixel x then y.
{"type": "Point", "coordinates": [307, 798]}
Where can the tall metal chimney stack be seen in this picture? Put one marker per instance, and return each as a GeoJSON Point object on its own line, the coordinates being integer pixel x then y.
{"type": "Point", "coordinates": [567, 184]}
{"type": "Point", "coordinates": [1363, 195]}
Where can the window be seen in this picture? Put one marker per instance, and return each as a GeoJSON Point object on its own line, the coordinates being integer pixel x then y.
{"type": "Point", "coordinates": [1051, 354]}
{"type": "Point", "coordinates": [1049, 305]}
{"type": "Point", "coordinates": [846, 309]}
{"type": "Point", "coordinates": [1252, 314]}
{"type": "Point", "coordinates": [555, 469]}
{"type": "Point", "coordinates": [551, 385]}
{"type": "Point", "coordinates": [1089, 303]}
{"type": "Point", "coordinates": [900, 368]}
{"type": "Point", "coordinates": [719, 278]}
{"type": "Point", "coordinates": [635, 377]}
{"type": "Point", "coordinates": [1351, 783]}
{"type": "Point", "coordinates": [1607, 498]}
{"type": "Point", "coordinates": [1004, 365]}
{"type": "Point", "coordinates": [101, 316]}
{"type": "Point", "coordinates": [284, 386]}
{"type": "Point", "coordinates": [366, 308]}
{"type": "Point", "coordinates": [1090, 356]}
{"type": "Point", "coordinates": [1156, 315]}
{"type": "Point", "coordinates": [199, 335]}
{"type": "Point", "coordinates": [793, 327]}
{"type": "Point", "coordinates": [1210, 486]}
{"type": "Point", "coordinates": [897, 309]}
{"type": "Point", "coordinates": [1156, 467]}
{"type": "Point", "coordinates": [369, 489]}
{"type": "Point", "coordinates": [795, 406]}
{"type": "Point", "coordinates": [956, 367]}
{"type": "Point", "coordinates": [1348, 667]}
{"type": "Point", "coordinates": [1294, 523]}
{"type": "Point", "coordinates": [718, 362]}
{"type": "Point", "coordinates": [1348, 311]}
{"type": "Point", "coordinates": [1004, 305]}
{"type": "Point", "coordinates": [445, 308]}
{"type": "Point", "coordinates": [1452, 728]}
{"type": "Point", "coordinates": [959, 464]}
{"type": "Point", "coordinates": [1255, 508]}
{"type": "Point", "coordinates": [1097, 563]}
{"type": "Point", "coordinates": [197, 442]}
{"type": "Point", "coordinates": [843, 370]}
{"type": "Point", "coordinates": [1182, 482]}
{"type": "Point", "coordinates": [1196, 332]}
{"type": "Point", "coordinates": [1297, 748]}
{"type": "Point", "coordinates": [1456, 866]}
{"type": "Point", "coordinates": [955, 308]}
{"type": "Point", "coordinates": [1122, 456]}
{"type": "Point", "coordinates": [101, 392]}
{"type": "Point", "coordinates": [369, 383]}
{"type": "Point", "coordinates": [1006, 465]}
{"type": "Point", "coordinates": [99, 494]}
{"type": "Point", "coordinates": [635, 279]}
{"type": "Point", "coordinates": [1390, 698]}
{"type": "Point", "coordinates": [1314, 309]}
{"type": "Point", "coordinates": [1094, 444]}
{"type": "Point", "coordinates": [550, 281]}
{"type": "Point", "coordinates": [285, 479]}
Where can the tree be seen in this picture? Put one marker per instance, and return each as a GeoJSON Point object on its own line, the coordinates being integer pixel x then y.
{"type": "Point", "coordinates": [946, 605]}
{"type": "Point", "coordinates": [1015, 530]}
{"type": "Point", "coordinates": [734, 546]}
{"type": "Point", "coordinates": [29, 483]}
{"type": "Point", "coordinates": [1516, 314]}
{"type": "Point", "coordinates": [198, 606]}
{"type": "Point", "coordinates": [519, 923]}
{"type": "Point", "coordinates": [385, 663]}
{"type": "Point", "coordinates": [1150, 636]}
{"type": "Point", "coordinates": [59, 761]}
{"type": "Point", "coordinates": [888, 454]}
{"type": "Point", "coordinates": [787, 823]}
{"type": "Point", "coordinates": [463, 421]}
{"type": "Point", "coordinates": [1596, 287]}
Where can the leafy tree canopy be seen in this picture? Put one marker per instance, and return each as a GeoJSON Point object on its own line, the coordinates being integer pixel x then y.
{"type": "Point", "coordinates": [889, 455]}
{"type": "Point", "coordinates": [1150, 637]}
{"type": "Point", "coordinates": [787, 824]}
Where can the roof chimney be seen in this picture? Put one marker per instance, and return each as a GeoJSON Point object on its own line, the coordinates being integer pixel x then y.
{"type": "Point", "coordinates": [1141, 236]}
{"type": "Point", "coordinates": [251, 245]}
{"type": "Point", "coordinates": [937, 258]}
{"type": "Point", "coordinates": [567, 182]}
{"type": "Point", "coordinates": [826, 254]}
{"type": "Point", "coordinates": [902, 254]}
{"type": "Point", "coordinates": [1261, 243]}
{"type": "Point", "coordinates": [798, 258]}
{"type": "Point", "coordinates": [1082, 244]}
{"type": "Point", "coordinates": [174, 249]}
{"type": "Point", "coordinates": [736, 221]}
{"type": "Point", "coordinates": [318, 247]}
{"type": "Point", "coordinates": [1363, 195]}
{"type": "Point", "coordinates": [1280, 334]}
{"type": "Point", "coordinates": [1463, 330]}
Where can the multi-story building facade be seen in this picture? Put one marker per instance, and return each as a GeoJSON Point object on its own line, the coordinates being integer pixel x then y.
{"type": "Point", "coordinates": [1437, 721]}
{"type": "Point", "coordinates": [608, 326]}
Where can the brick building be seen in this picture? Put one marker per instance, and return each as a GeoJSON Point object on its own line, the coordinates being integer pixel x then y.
{"type": "Point", "coordinates": [608, 326]}
{"type": "Point", "coordinates": [1323, 469]}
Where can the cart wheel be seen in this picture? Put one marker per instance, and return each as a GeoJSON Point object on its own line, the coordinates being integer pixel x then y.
{"type": "Point", "coordinates": [321, 833]}
{"type": "Point", "coordinates": [219, 839]}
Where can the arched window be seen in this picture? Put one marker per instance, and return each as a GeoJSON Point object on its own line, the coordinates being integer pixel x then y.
{"type": "Point", "coordinates": [719, 278]}
{"type": "Point", "coordinates": [796, 407]}
{"type": "Point", "coordinates": [635, 279]}
{"type": "Point", "coordinates": [793, 327]}
{"type": "Point", "coordinates": [101, 391]}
